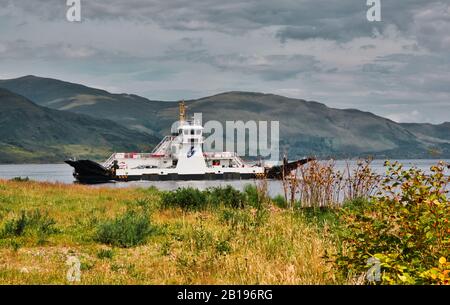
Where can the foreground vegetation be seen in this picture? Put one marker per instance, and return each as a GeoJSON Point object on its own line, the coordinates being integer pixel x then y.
{"type": "Point", "coordinates": [128, 236]}
{"type": "Point", "coordinates": [397, 225]}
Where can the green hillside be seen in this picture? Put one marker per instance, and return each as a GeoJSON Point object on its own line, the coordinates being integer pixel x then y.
{"type": "Point", "coordinates": [130, 110]}
{"type": "Point", "coordinates": [31, 133]}
{"type": "Point", "coordinates": [311, 128]}
{"type": "Point", "coordinates": [306, 128]}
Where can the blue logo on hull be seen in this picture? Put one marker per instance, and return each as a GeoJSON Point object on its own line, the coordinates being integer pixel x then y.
{"type": "Point", "coordinates": [191, 152]}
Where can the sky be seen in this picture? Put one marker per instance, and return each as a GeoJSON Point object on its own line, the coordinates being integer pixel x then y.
{"type": "Point", "coordinates": [321, 50]}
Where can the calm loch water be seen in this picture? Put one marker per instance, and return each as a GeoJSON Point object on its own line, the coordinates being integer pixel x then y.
{"type": "Point", "coordinates": [63, 173]}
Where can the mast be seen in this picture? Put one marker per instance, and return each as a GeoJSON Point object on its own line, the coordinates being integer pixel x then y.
{"type": "Point", "coordinates": [182, 110]}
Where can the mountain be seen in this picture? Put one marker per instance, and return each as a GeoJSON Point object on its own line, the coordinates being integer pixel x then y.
{"type": "Point", "coordinates": [437, 132]}
{"type": "Point", "coordinates": [32, 133]}
{"type": "Point", "coordinates": [129, 110]}
{"type": "Point", "coordinates": [306, 127]}
{"type": "Point", "coordinates": [311, 128]}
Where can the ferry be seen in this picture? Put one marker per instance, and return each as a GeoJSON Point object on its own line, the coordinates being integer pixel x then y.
{"type": "Point", "coordinates": [179, 156]}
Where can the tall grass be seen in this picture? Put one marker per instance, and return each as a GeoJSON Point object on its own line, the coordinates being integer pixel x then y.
{"type": "Point", "coordinates": [231, 239]}
{"type": "Point", "coordinates": [225, 236]}
{"type": "Point", "coordinates": [362, 181]}
{"type": "Point", "coordinates": [319, 184]}
{"type": "Point", "coordinates": [29, 222]}
{"type": "Point", "coordinates": [127, 230]}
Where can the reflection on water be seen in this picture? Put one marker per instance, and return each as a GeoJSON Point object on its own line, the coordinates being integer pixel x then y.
{"type": "Point", "coordinates": [63, 173]}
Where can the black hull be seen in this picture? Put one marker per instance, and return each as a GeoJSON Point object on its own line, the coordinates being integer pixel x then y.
{"type": "Point", "coordinates": [90, 172]}
{"type": "Point", "coordinates": [276, 172]}
{"type": "Point", "coordinates": [197, 177]}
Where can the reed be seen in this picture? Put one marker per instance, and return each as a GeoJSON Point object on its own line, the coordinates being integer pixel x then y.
{"type": "Point", "coordinates": [319, 184]}
{"type": "Point", "coordinates": [362, 181]}
{"type": "Point", "coordinates": [290, 183]}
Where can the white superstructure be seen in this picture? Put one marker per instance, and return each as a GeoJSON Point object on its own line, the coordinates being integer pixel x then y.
{"type": "Point", "coordinates": [181, 156]}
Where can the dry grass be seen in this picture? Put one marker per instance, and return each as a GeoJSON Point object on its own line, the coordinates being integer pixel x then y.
{"type": "Point", "coordinates": [320, 184]}
{"type": "Point", "coordinates": [189, 248]}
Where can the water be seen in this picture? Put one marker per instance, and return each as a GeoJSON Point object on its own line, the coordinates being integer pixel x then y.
{"type": "Point", "coordinates": [63, 173]}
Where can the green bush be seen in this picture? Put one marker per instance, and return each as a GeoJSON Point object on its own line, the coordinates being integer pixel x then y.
{"type": "Point", "coordinates": [251, 193]}
{"type": "Point", "coordinates": [31, 222]}
{"type": "Point", "coordinates": [144, 204]}
{"type": "Point", "coordinates": [357, 205]}
{"type": "Point", "coordinates": [193, 199]}
{"type": "Point", "coordinates": [405, 228]}
{"type": "Point", "coordinates": [279, 201]}
{"type": "Point", "coordinates": [321, 216]}
{"type": "Point", "coordinates": [105, 253]}
{"type": "Point", "coordinates": [238, 219]}
{"type": "Point", "coordinates": [184, 198]}
{"type": "Point", "coordinates": [223, 246]}
{"type": "Point", "coordinates": [227, 196]}
{"type": "Point", "coordinates": [127, 230]}
{"type": "Point", "coordinates": [201, 238]}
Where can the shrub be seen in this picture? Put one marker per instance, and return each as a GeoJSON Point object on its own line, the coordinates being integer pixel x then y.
{"type": "Point", "coordinates": [223, 247]}
{"type": "Point", "coordinates": [227, 196]}
{"type": "Point", "coordinates": [184, 198]}
{"type": "Point", "coordinates": [15, 246]}
{"type": "Point", "coordinates": [321, 216]}
{"type": "Point", "coordinates": [15, 226]}
{"type": "Point", "coordinates": [252, 195]}
{"type": "Point", "coordinates": [237, 218]}
{"type": "Point", "coordinates": [244, 219]}
{"type": "Point", "coordinates": [405, 228]}
{"type": "Point", "coordinates": [31, 222]}
{"type": "Point", "coordinates": [165, 247]}
{"type": "Point", "coordinates": [105, 253]}
{"type": "Point", "coordinates": [201, 238]}
{"type": "Point", "coordinates": [127, 230]}
{"type": "Point", "coordinates": [362, 181]}
{"type": "Point", "coordinates": [357, 204]}
{"type": "Point", "coordinates": [280, 202]}
{"type": "Point", "coordinates": [144, 204]}
{"type": "Point", "coordinates": [318, 184]}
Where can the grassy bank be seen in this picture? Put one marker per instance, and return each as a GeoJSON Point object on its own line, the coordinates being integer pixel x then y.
{"type": "Point", "coordinates": [391, 229]}
{"type": "Point", "coordinates": [128, 236]}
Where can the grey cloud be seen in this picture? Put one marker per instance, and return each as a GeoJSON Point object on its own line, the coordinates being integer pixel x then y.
{"type": "Point", "coordinates": [432, 26]}
{"type": "Point", "coordinates": [274, 67]}
{"type": "Point", "coordinates": [298, 19]}
{"type": "Point", "coordinates": [270, 68]}
{"type": "Point", "coordinates": [20, 49]}
{"type": "Point", "coordinates": [155, 74]}
{"type": "Point", "coordinates": [416, 74]}
{"type": "Point", "coordinates": [402, 61]}
{"type": "Point", "coordinates": [331, 28]}
{"type": "Point", "coordinates": [188, 49]}
{"type": "Point", "coordinates": [378, 68]}
{"type": "Point", "coordinates": [83, 58]}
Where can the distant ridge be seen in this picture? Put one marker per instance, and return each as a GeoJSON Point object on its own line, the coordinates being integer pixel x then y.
{"type": "Point", "coordinates": [32, 133]}
{"type": "Point", "coordinates": [306, 127]}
